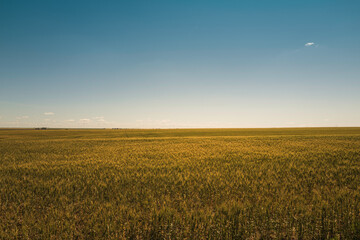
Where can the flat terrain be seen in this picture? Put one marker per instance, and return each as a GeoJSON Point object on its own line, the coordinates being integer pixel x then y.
{"type": "Point", "coordinates": [300, 183]}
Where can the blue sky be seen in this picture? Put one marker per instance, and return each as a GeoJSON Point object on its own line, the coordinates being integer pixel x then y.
{"type": "Point", "coordinates": [150, 64]}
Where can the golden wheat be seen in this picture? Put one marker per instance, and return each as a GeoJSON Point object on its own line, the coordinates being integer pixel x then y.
{"type": "Point", "coordinates": [180, 184]}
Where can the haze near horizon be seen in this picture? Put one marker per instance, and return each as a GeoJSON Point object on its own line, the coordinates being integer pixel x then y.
{"type": "Point", "coordinates": [179, 64]}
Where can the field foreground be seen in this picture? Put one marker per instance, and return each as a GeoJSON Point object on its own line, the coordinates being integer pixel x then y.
{"type": "Point", "coordinates": [301, 183]}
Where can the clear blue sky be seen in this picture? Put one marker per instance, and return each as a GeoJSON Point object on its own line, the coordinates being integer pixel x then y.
{"type": "Point", "coordinates": [179, 63]}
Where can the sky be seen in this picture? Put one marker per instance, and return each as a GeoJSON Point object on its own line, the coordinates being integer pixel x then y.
{"type": "Point", "coordinates": [179, 64]}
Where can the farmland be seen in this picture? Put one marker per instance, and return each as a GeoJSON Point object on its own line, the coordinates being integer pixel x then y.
{"type": "Point", "coordinates": [299, 183]}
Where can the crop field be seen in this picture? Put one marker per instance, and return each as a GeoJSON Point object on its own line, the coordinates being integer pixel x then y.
{"type": "Point", "coordinates": [300, 183]}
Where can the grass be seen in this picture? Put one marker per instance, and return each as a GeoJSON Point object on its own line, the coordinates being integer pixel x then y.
{"type": "Point", "coordinates": [300, 183]}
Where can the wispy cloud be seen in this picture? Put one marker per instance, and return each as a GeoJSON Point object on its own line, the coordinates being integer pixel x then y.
{"type": "Point", "coordinates": [309, 44]}
{"type": "Point", "coordinates": [22, 117]}
{"type": "Point", "coordinates": [84, 120]}
{"type": "Point", "coordinates": [48, 120]}
{"type": "Point", "coordinates": [70, 120]}
{"type": "Point", "coordinates": [99, 119]}
{"type": "Point", "coordinates": [49, 113]}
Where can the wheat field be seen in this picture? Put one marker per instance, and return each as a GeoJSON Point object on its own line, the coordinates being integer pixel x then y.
{"type": "Point", "coordinates": [300, 183]}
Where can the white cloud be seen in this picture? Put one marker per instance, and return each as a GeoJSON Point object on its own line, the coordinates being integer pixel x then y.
{"type": "Point", "coordinates": [100, 119]}
{"type": "Point", "coordinates": [49, 113]}
{"type": "Point", "coordinates": [22, 117]}
{"type": "Point", "coordinates": [70, 120]}
{"type": "Point", "coordinates": [309, 44]}
{"type": "Point", "coordinates": [84, 120]}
